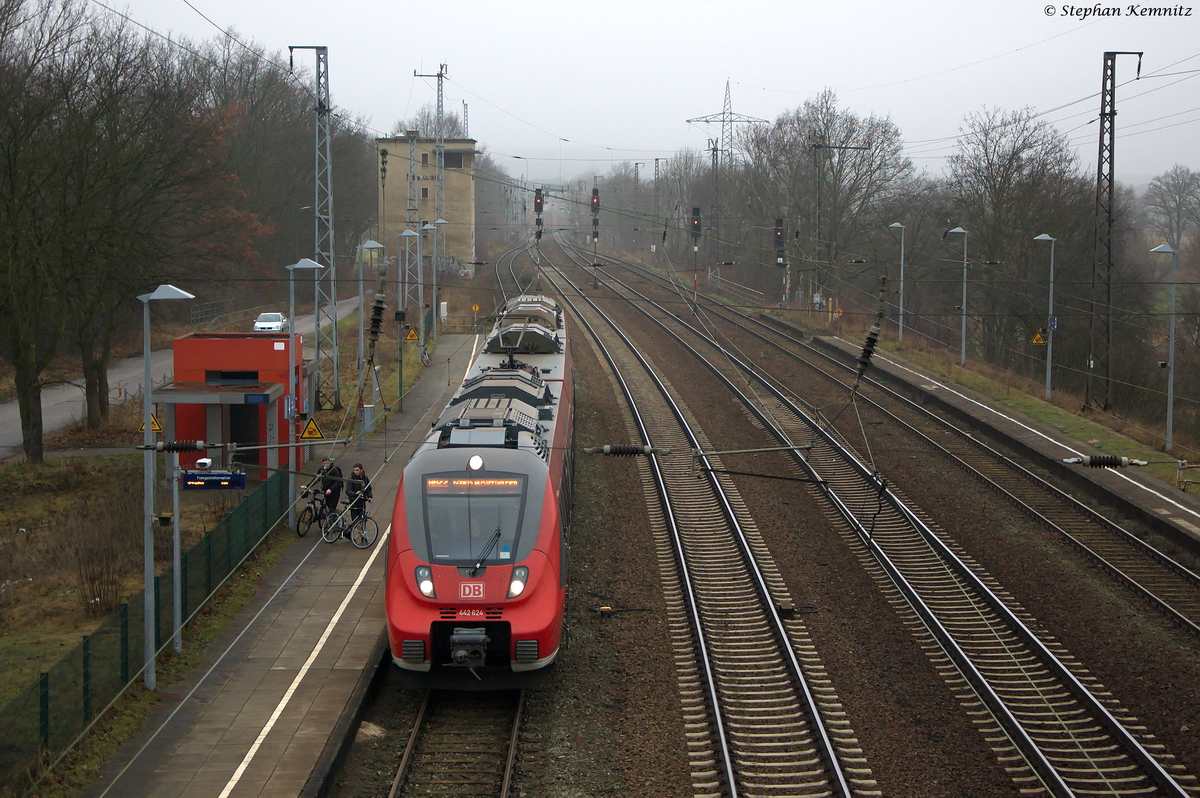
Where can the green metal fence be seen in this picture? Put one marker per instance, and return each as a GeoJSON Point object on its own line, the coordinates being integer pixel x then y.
{"type": "Point", "coordinates": [50, 715]}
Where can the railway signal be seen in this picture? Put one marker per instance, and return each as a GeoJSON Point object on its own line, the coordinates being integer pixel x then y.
{"type": "Point", "coordinates": [537, 201]}
{"type": "Point", "coordinates": [595, 218]}
{"type": "Point", "coordinates": [696, 226]}
{"type": "Point", "coordinates": [781, 261]}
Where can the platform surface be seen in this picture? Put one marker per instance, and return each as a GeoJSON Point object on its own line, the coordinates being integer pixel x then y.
{"type": "Point", "coordinates": [254, 717]}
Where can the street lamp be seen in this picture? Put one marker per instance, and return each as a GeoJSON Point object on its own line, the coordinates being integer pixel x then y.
{"type": "Point", "coordinates": [1171, 346]}
{"type": "Point", "coordinates": [148, 627]}
{"type": "Point", "coordinates": [371, 247]}
{"type": "Point", "coordinates": [962, 337]}
{"type": "Point", "coordinates": [421, 285]}
{"type": "Point", "coordinates": [439, 230]}
{"type": "Point", "coordinates": [900, 227]}
{"type": "Point", "coordinates": [1051, 322]}
{"type": "Point", "coordinates": [294, 380]}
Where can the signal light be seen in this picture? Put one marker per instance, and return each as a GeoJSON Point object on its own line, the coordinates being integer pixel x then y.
{"type": "Point", "coordinates": [695, 224]}
{"type": "Point", "coordinates": [779, 242]}
{"type": "Point", "coordinates": [537, 201]}
{"type": "Point", "coordinates": [595, 202]}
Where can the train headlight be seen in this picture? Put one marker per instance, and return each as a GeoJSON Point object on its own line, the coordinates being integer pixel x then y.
{"type": "Point", "coordinates": [475, 463]}
{"type": "Point", "coordinates": [425, 581]}
{"type": "Point", "coordinates": [520, 577]}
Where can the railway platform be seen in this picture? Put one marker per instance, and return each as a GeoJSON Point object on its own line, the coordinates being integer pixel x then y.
{"type": "Point", "coordinates": [1173, 512]}
{"type": "Point", "coordinates": [266, 711]}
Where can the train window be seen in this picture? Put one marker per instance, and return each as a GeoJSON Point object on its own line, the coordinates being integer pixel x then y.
{"type": "Point", "coordinates": [464, 511]}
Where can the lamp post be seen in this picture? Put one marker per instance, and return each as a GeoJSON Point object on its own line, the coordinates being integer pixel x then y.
{"type": "Point", "coordinates": [1051, 322]}
{"type": "Point", "coordinates": [962, 336]}
{"type": "Point", "coordinates": [1171, 346]}
{"type": "Point", "coordinates": [900, 227]}
{"type": "Point", "coordinates": [439, 229]}
{"type": "Point", "coordinates": [294, 381]}
{"type": "Point", "coordinates": [369, 247]}
{"type": "Point", "coordinates": [148, 627]}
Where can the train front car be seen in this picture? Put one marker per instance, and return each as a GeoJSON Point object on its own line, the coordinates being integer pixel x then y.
{"type": "Point", "coordinates": [477, 576]}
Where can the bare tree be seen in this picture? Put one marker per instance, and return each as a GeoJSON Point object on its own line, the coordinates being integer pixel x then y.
{"type": "Point", "coordinates": [1013, 177]}
{"type": "Point", "coordinates": [424, 121]}
{"type": "Point", "coordinates": [118, 185]}
{"type": "Point", "coordinates": [1173, 203]}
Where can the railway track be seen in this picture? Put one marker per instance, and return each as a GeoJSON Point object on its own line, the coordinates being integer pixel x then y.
{"type": "Point", "coordinates": [761, 713]}
{"type": "Point", "coordinates": [1058, 729]}
{"type": "Point", "coordinates": [461, 744]}
{"type": "Point", "coordinates": [1151, 574]}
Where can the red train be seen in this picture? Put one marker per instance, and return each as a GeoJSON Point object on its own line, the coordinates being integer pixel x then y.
{"type": "Point", "coordinates": [477, 556]}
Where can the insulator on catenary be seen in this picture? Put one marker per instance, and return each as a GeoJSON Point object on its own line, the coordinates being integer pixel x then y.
{"type": "Point", "coordinates": [625, 450]}
{"type": "Point", "coordinates": [180, 446]}
{"type": "Point", "coordinates": [1104, 461]}
{"type": "Point", "coordinates": [864, 359]}
{"type": "Point", "coordinates": [376, 317]}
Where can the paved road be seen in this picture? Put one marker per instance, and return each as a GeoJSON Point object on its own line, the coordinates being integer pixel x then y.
{"type": "Point", "coordinates": [62, 404]}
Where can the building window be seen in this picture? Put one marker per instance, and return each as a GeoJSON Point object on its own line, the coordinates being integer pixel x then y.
{"type": "Point", "coordinates": [424, 159]}
{"type": "Point", "coordinates": [424, 192]}
{"type": "Point", "coordinates": [230, 376]}
{"type": "Point", "coordinates": [453, 160]}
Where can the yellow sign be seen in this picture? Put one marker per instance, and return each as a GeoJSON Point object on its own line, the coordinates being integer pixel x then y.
{"type": "Point", "coordinates": [1038, 339]}
{"type": "Point", "coordinates": [474, 308]}
{"type": "Point", "coordinates": [154, 425]}
{"type": "Point", "coordinates": [838, 312]}
{"type": "Point", "coordinates": [311, 431]}
{"type": "Point", "coordinates": [412, 335]}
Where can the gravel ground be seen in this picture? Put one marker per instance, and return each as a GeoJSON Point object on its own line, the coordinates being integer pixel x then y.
{"type": "Point", "coordinates": [916, 737]}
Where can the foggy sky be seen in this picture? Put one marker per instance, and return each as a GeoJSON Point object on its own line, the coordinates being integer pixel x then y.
{"type": "Point", "coordinates": [617, 80]}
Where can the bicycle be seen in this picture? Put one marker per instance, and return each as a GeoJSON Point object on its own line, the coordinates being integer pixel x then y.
{"type": "Point", "coordinates": [362, 531]}
{"type": "Point", "coordinates": [313, 513]}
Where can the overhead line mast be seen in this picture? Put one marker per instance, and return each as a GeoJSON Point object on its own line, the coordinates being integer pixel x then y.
{"type": "Point", "coordinates": [326, 389]}
{"type": "Point", "coordinates": [722, 153]}
{"type": "Point", "coordinates": [439, 202]}
{"type": "Point", "coordinates": [1100, 348]}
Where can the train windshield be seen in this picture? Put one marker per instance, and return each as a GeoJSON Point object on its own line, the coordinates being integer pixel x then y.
{"type": "Point", "coordinates": [465, 511]}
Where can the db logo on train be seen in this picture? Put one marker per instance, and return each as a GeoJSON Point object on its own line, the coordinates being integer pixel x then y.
{"type": "Point", "coordinates": [470, 590]}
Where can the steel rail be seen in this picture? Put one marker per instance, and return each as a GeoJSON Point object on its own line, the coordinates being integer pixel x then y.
{"type": "Point", "coordinates": [1109, 562]}
{"type": "Point", "coordinates": [827, 747]}
{"type": "Point", "coordinates": [1082, 693]}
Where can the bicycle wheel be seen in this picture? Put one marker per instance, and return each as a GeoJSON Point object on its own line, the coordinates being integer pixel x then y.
{"type": "Point", "coordinates": [364, 532]}
{"type": "Point", "coordinates": [333, 528]}
{"type": "Point", "coordinates": [304, 521]}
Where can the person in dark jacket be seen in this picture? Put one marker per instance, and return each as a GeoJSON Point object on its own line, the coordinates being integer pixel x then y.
{"type": "Point", "coordinates": [358, 491]}
{"type": "Point", "coordinates": [331, 484]}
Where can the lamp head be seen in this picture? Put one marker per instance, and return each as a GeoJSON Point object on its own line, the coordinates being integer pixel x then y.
{"type": "Point", "coordinates": [166, 291]}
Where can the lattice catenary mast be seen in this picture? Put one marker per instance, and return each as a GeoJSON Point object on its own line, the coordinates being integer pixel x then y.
{"type": "Point", "coordinates": [722, 150]}
{"type": "Point", "coordinates": [1100, 347]}
{"type": "Point", "coordinates": [326, 391]}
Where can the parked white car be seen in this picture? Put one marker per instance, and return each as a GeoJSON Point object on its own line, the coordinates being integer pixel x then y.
{"type": "Point", "coordinates": [271, 322]}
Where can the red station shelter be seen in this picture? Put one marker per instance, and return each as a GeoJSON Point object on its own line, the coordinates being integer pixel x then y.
{"type": "Point", "coordinates": [235, 388]}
